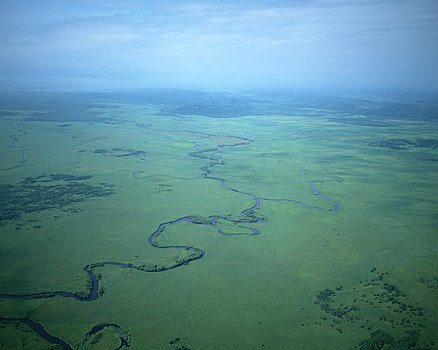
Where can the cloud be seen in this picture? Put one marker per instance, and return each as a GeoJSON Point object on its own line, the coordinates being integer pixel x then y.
{"type": "Point", "coordinates": [257, 41]}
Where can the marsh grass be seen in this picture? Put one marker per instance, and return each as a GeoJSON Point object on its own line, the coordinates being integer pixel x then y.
{"type": "Point", "coordinates": [248, 291]}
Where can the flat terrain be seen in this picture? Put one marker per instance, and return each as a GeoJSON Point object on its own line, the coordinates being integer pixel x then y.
{"type": "Point", "coordinates": [339, 245]}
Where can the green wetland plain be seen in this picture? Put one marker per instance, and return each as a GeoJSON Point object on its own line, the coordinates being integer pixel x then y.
{"type": "Point", "coordinates": [168, 219]}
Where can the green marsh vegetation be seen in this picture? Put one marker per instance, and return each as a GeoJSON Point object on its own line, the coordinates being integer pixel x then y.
{"type": "Point", "coordinates": [87, 178]}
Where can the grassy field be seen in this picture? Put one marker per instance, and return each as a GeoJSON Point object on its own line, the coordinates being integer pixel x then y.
{"type": "Point", "coordinates": [92, 185]}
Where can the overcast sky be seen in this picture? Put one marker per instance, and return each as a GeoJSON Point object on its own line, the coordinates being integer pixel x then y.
{"type": "Point", "coordinates": [109, 44]}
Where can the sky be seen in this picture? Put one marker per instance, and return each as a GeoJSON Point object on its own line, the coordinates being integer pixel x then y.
{"type": "Point", "coordinates": [221, 45]}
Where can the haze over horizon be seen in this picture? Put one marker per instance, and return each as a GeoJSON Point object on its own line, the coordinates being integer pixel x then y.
{"type": "Point", "coordinates": [344, 44]}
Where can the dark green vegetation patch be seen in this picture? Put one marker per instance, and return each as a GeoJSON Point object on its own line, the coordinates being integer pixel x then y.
{"type": "Point", "coordinates": [45, 192]}
{"type": "Point", "coordinates": [406, 144]}
{"type": "Point", "coordinates": [119, 152]}
{"type": "Point", "coordinates": [382, 340]}
{"type": "Point", "coordinates": [399, 325]}
{"type": "Point", "coordinates": [430, 282]}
